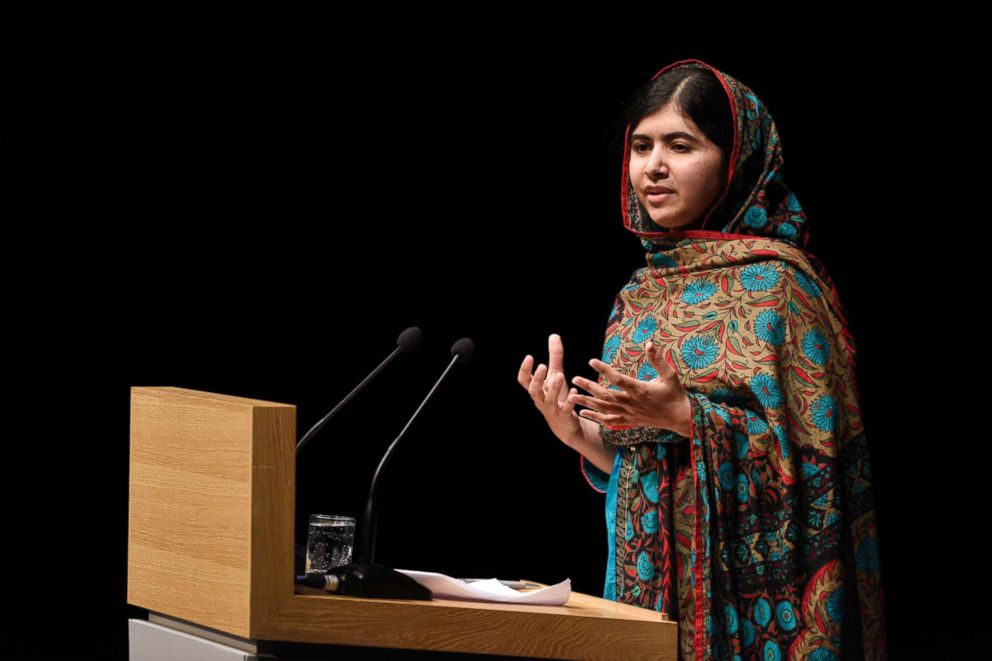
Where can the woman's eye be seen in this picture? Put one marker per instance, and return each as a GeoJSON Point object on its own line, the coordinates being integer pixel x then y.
{"type": "Point", "coordinates": [679, 147]}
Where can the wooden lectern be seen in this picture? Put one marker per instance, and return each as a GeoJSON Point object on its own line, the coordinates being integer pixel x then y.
{"type": "Point", "coordinates": [211, 548]}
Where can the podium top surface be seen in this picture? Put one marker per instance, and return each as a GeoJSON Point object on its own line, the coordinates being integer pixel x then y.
{"type": "Point", "coordinates": [203, 394]}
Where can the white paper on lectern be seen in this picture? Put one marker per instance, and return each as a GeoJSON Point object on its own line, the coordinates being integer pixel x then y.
{"type": "Point", "coordinates": [446, 587]}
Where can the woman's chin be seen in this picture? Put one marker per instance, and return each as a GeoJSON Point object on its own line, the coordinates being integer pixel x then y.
{"type": "Point", "coordinates": [667, 224]}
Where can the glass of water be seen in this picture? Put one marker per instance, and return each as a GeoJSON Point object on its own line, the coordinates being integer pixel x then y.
{"type": "Point", "coordinates": [329, 542]}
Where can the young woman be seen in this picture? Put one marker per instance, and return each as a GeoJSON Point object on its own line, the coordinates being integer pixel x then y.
{"type": "Point", "coordinates": [724, 426]}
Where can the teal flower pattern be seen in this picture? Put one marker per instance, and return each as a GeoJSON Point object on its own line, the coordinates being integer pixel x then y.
{"type": "Point", "coordinates": [756, 217]}
{"type": "Point", "coordinates": [698, 291]}
{"type": "Point", "coordinates": [762, 612]}
{"type": "Point", "coordinates": [646, 372]}
{"type": "Point", "coordinates": [785, 615]}
{"type": "Point", "coordinates": [807, 285]}
{"type": "Point", "coordinates": [816, 346]}
{"type": "Point", "coordinates": [787, 231]}
{"type": "Point", "coordinates": [823, 413]}
{"type": "Point", "coordinates": [649, 522]}
{"type": "Point", "coordinates": [759, 277]}
{"type": "Point", "coordinates": [743, 488]}
{"type": "Point", "coordinates": [699, 351]}
{"type": "Point", "coordinates": [835, 605]}
{"type": "Point", "coordinates": [770, 328]}
{"type": "Point", "coordinates": [730, 618]}
{"type": "Point", "coordinates": [783, 441]}
{"type": "Point", "coordinates": [747, 632]}
{"type": "Point", "coordinates": [662, 260]}
{"type": "Point", "coordinates": [756, 425]}
{"type": "Point", "coordinates": [767, 391]}
{"type": "Point", "coordinates": [741, 444]}
{"type": "Point", "coordinates": [644, 330]}
{"type": "Point", "coordinates": [644, 567]}
{"type": "Point", "coordinates": [649, 484]}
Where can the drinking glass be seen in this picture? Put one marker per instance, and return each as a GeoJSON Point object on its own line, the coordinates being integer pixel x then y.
{"type": "Point", "coordinates": [329, 542]}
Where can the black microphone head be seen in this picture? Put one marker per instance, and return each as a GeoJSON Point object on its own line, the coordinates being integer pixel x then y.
{"type": "Point", "coordinates": [463, 348]}
{"type": "Point", "coordinates": [410, 338]}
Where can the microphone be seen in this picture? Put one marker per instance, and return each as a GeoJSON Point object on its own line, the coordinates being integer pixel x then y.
{"type": "Point", "coordinates": [364, 578]}
{"type": "Point", "coordinates": [408, 341]}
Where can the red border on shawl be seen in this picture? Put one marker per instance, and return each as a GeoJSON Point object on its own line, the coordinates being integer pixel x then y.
{"type": "Point", "coordinates": [582, 468]}
{"type": "Point", "coordinates": [697, 533]}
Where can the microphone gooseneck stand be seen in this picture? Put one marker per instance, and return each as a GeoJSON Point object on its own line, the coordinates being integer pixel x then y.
{"type": "Point", "coordinates": [363, 577]}
{"type": "Point", "coordinates": [407, 341]}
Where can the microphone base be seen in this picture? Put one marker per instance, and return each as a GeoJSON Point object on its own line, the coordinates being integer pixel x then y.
{"type": "Point", "coordinates": [374, 581]}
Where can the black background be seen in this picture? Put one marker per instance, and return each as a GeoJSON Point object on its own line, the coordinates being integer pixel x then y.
{"type": "Point", "coordinates": [257, 204]}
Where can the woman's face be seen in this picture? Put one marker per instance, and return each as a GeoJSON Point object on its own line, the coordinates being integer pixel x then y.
{"type": "Point", "coordinates": [669, 152]}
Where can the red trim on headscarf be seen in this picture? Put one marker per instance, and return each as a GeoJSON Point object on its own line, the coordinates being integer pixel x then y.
{"type": "Point", "coordinates": [707, 234]}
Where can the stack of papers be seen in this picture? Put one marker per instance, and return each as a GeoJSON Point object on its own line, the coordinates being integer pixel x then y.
{"type": "Point", "coordinates": [446, 587]}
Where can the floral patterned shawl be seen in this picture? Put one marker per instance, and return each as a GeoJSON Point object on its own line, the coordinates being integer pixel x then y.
{"type": "Point", "coordinates": [758, 531]}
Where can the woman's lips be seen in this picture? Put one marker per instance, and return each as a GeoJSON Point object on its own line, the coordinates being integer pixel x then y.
{"type": "Point", "coordinates": [658, 197]}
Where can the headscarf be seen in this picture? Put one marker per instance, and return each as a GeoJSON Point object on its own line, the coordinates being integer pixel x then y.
{"type": "Point", "coordinates": [758, 530]}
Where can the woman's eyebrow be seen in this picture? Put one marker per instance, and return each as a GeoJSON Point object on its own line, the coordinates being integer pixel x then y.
{"type": "Point", "coordinates": [667, 136]}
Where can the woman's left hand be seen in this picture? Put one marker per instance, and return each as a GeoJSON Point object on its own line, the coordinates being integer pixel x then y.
{"type": "Point", "coordinates": [661, 402]}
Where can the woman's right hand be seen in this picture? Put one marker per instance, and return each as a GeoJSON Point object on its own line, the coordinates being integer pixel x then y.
{"type": "Point", "coordinates": [548, 387]}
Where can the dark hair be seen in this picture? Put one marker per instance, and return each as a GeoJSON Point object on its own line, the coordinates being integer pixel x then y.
{"type": "Point", "coordinates": [695, 93]}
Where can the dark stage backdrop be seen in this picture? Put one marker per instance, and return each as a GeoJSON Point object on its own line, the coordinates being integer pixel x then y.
{"type": "Point", "coordinates": [258, 205]}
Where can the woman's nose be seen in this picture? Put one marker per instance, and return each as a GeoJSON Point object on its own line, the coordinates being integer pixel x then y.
{"type": "Point", "coordinates": [656, 164]}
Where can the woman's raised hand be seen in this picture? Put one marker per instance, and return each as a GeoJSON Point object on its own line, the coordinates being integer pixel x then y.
{"type": "Point", "coordinates": [548, 387]}
{"type": "Point", "coordinates": [661, 402]}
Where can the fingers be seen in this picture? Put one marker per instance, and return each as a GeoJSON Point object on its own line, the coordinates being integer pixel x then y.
{"type": "Point", "coordinates": [557, 394]}
{"type": "Point", "coordinates": [551, 390]}
{"type": "Point", "coordinates": [536, 387]}
{"type": "Point", "coordinates": [563, 388]}
{"type": "Point", "coordinates": [594, 388]}
{"type": "Point", "coordinates": [603, 418]}
{"type": "Point", "coordinates": [622, 381]}
{"type": "Point", "coordinates": [524, 375]}
{"type": "Point", "coordinates": [556, 353]}
{"type": "Point", "coordinates": [600, 392]}
{"type": "Point", "coordinates": [596, 409]}
{"type": "Point", "coordinates": [597, 405]}
{"type": "Point", "coordinates": [555, 381]}
{"type": "Point", "coordinates": [658, 360]}
{"type": "Point", "coordinates": [591, 414]}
